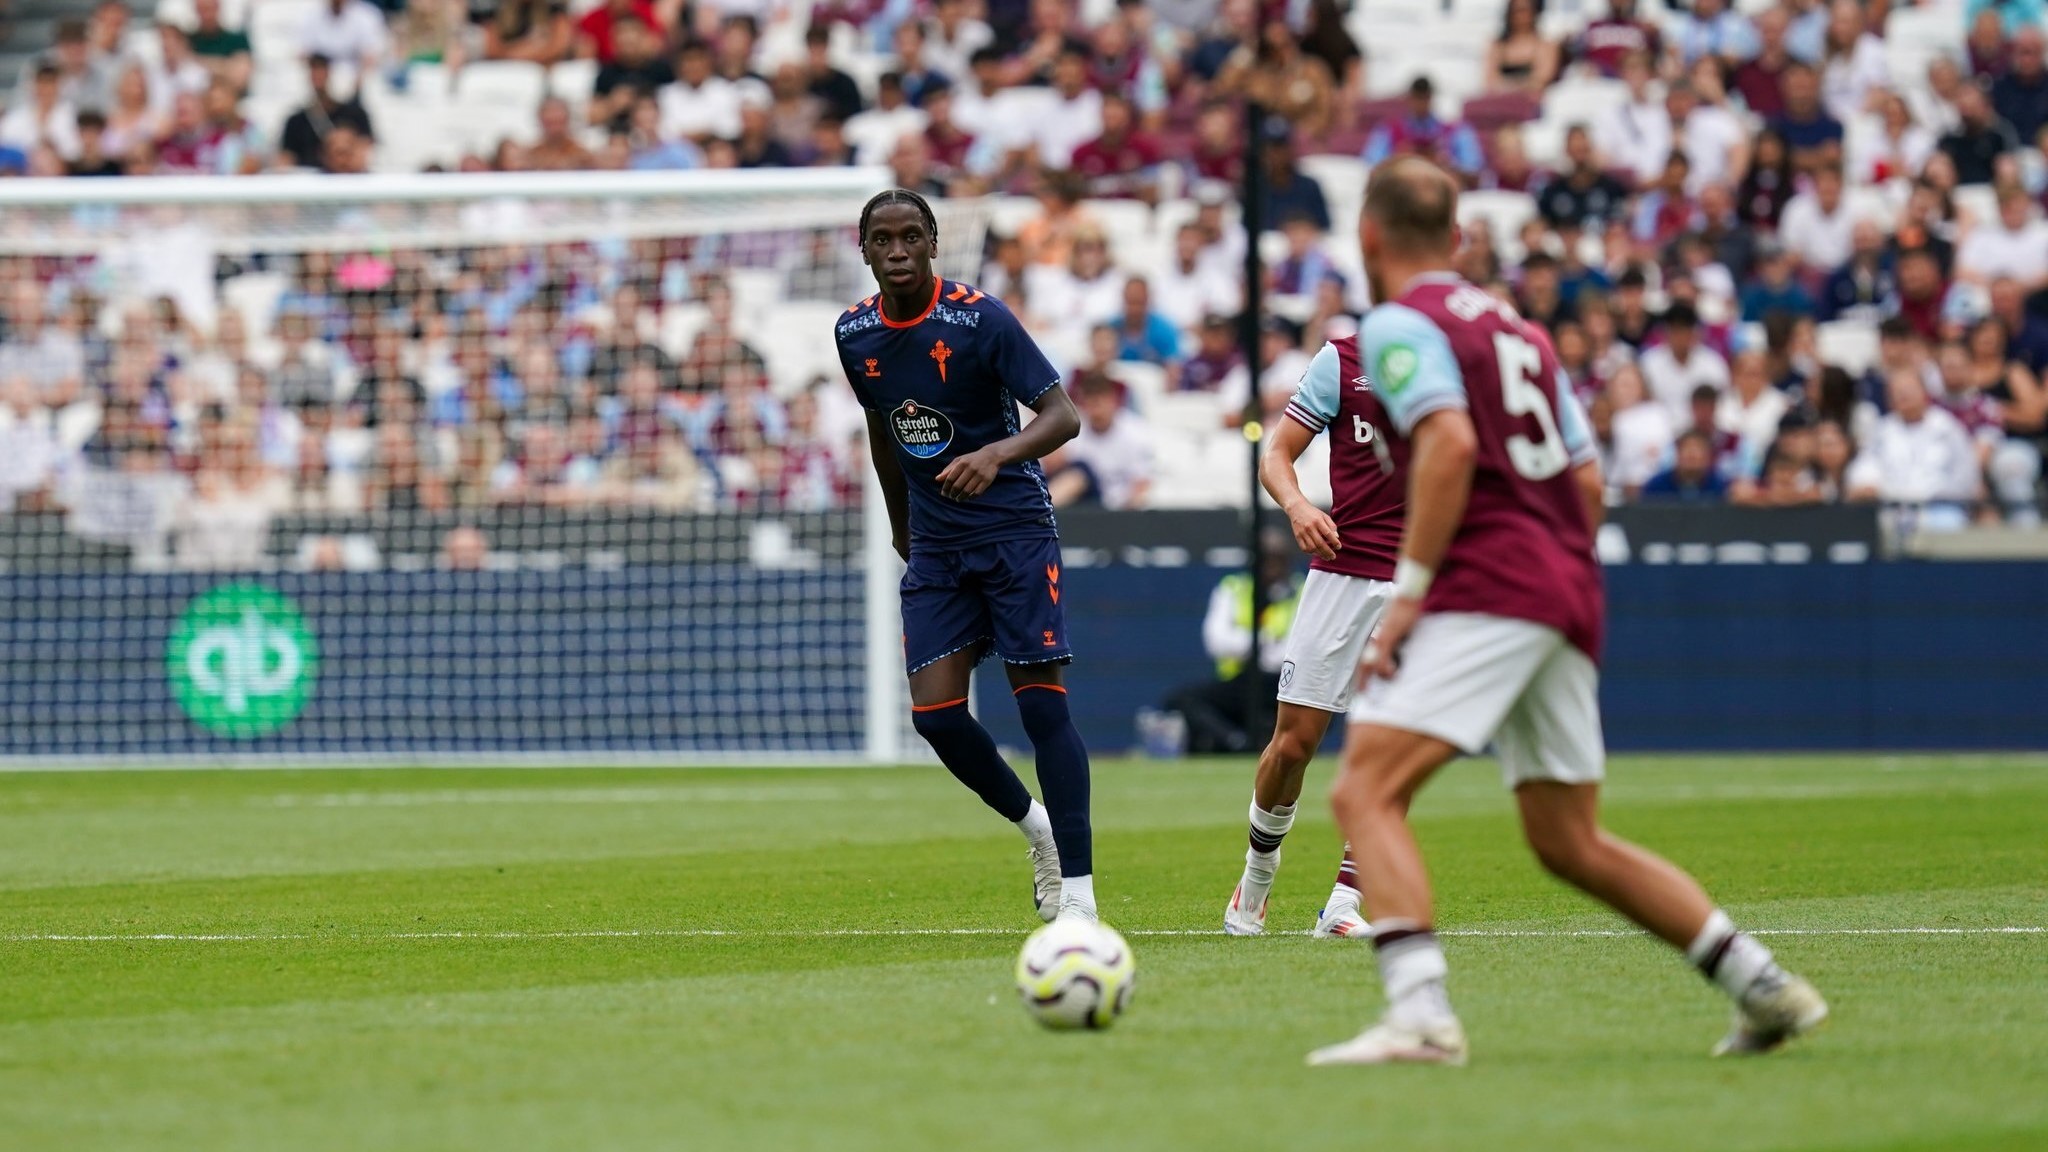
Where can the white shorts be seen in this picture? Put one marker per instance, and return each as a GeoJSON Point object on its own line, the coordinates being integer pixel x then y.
{"type": "Point", "coordinates": [1468, 678]}
{"type": "Point", "coordinates": [1334, 619]}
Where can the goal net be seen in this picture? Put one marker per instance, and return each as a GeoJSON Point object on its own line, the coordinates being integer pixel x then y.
{"type": "Point", "coordinates": [423, 469]}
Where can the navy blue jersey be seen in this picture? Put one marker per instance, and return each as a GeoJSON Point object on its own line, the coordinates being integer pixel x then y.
{"type": "Point", "coordinates": [948, 383]}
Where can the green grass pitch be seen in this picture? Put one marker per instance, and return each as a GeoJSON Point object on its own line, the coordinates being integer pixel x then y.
{"type": "Point", "coordinates": [525, 959]}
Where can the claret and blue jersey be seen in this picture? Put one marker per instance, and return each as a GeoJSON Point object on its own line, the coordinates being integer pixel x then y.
{"type": "Point", "coordinates": [984, 573]}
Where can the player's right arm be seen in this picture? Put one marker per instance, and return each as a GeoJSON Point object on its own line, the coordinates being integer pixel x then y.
{"type": "Point", "coordinates": [1423, 390]}
{"type": "Point", "coordinates": [881, 450]}
{"type": "Point", "coordinates": [895, 489]}
{"type": "Point", "coordinates": [1314, 405]}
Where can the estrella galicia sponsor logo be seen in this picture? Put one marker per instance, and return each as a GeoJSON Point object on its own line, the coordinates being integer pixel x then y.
{"type": "Point", "coordinates": [241, 661]}
{"type": "Point", "coordinates": [923, 431]}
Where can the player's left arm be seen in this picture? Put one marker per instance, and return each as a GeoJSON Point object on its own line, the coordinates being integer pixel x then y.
{"type": "Point", "coordinates": [1577, 432]}
{"type": "Point", "coordinates": [1023, 371]}
{"type": "Point", "coordinates": [1057, 421]}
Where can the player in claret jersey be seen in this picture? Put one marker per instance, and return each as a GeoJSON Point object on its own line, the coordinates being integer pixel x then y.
{"type": "Point", "coordinates": [1349, 585]}
{"type": "Point", "coordinates": [941, 368]}
{"type": "Point", "coordinates": [1492, 636]}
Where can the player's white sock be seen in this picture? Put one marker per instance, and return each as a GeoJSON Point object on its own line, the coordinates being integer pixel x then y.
{"type": "Point", "coordinates": [1343, 901]}
{"type": "Point", "coordinates": [1413, 969]}
{"type": "Point", "coordinates": [1269, 827]}
{"type": "Point", "coordinates": [1036, 825]}
{"type": "Point", "coordinates": [1732, 960]}
{"type": "Point", "coordinates": [1077, 896]}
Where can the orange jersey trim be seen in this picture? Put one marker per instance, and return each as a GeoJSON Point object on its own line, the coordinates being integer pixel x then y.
{"type": "Point", "coordinates": [938, 286]}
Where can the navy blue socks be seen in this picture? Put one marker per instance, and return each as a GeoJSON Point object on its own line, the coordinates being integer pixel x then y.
{"type": "Point", "coordinates": [968, 752]}
{"type": "Point", "coordinates": [1062, 773]}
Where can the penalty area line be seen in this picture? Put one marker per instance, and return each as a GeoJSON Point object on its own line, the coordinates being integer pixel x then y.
{"type": "Point", "coordinates": [885, 933]}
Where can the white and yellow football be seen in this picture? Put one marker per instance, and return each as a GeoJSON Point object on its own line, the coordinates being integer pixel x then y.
{"type": "Point", "coordinates": [1075, 973]}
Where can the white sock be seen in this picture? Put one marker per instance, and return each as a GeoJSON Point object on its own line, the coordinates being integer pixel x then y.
{"type": "Point", "coordinates": [1036, 825]}
{"type": "Point", "coordinates": [1343, 898]}
{"type": "Point", "coordinates": [1077, 894]}
{"type": "Point", "coordinates": [1273, 824]}
{"type": "Point", "coordinates": [1731, 959]}
{"type": "Point", "coordinates": [1413, 969]}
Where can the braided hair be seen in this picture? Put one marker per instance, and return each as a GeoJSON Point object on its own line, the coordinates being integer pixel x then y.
{"type": "Point", "coordinates": [898, 196]}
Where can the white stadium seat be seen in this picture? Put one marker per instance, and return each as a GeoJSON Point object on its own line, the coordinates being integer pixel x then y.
{"type": "Point", "coordinates": [274, 27]}
{"type": "Point", "coordinates": [1976, 203]}
{"type": "Point", "coordinates": [1850, 345]}
{"type": "Point", "coordinates": [1581, 100]}
{"type": "Point", "coordinates": [501, 84]}
{"type": "Point", "coordinates": [1147, 383]}
{"type": "Point", "coordinates": [573, 80]}
{"type": "Point", "coordinates": [1502, 213]}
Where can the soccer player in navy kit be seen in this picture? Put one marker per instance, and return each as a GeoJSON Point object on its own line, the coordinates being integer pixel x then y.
{"type": "Point", "coordinates": [941, 368]}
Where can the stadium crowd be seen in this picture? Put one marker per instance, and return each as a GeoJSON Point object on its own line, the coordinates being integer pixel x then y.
{"type": "Point", "coordinates": [1780, 266]}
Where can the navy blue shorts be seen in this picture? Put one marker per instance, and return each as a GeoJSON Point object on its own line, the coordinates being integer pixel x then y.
{"type": "Point", "coordinates": [1002, 598]}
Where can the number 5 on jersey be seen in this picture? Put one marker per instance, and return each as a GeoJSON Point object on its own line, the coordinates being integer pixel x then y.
{"type": "Point", "coordinates": [1520, 361]}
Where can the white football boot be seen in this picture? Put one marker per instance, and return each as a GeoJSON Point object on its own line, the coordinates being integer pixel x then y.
{"type": "Point", "coordinates": [1777, 1008]}
{"type": "Point", "coordinates": [1341, 922]}
{"type": "Point", "coordinates": [1392, 1042]}
{"type": "Point", "coordinates": [1045, 878]}
{"type": "Point", "coordinates": [1241, 917]}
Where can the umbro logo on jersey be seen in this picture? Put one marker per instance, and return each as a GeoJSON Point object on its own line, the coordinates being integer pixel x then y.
{"type": "Point", "coordinates": [1361, 384]}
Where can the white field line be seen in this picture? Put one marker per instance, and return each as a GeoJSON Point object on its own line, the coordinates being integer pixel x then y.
{"type": "Point", "coordinates": [885, 933]}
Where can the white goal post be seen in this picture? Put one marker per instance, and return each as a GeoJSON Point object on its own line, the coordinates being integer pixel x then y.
{"type": "Point", "coordinates": [443, 469]}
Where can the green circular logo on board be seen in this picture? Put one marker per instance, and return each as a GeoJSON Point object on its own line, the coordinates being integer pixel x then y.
{"type": "Point", "coordinates": [242, 661]}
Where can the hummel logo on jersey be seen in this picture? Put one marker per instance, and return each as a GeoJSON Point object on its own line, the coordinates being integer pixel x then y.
{"type": "Point", "coordinates": [1361, 384]}
{"type": "Point", "coordinates": [941, 354]}
{"type": "Point", "coordinates": [874, 371]}
{"type": "Point", "coordinates": [1052, 581]}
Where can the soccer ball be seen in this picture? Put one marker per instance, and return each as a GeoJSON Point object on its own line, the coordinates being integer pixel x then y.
{"type": "Point", "coordinates": [1075, 973]}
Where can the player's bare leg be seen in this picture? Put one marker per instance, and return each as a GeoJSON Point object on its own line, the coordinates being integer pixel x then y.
{"type": "Point", "coordinates": [1297, 730]}
{"type": "Point", "coordinates": [1383, 769]}
{"type": "Point", "coordinates": [1562, 824]}
{"type": "Point", "coordinates": [1041, 696]}
{"type": "Point", "coordinates": [939, 712]}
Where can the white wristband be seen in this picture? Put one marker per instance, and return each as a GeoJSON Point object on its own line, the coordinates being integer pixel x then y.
{"type": "Point", "coordinates": [1412, 580]}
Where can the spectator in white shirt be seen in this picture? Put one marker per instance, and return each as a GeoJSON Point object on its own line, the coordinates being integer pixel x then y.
{"type": "Point", "coordinates": [1189, 287]}
{"type": "Point", "coordinates": [1919, 455]}
{"type": "Point", "coordinates": [1635, 134]}
{"type": "Point", "coordinates": [1281, 364]}
{"type": "Point", "coordinates": [1074, 116]}
{"type": "Point", "coordinates": [1712, 136]}
{"type": "Point", "coordinates": [1853, 68]}
{"type": "Point", "coordinates": [1818, 226]}
{"type": "Point", "coordinates": [700, 105]}
{"type": "Point", "coordinates": [29, 445]}
{"type": "Point", "coordinates": [1110, 460]}
{"type": "Point", "coordinates": [874, 133]}
{"type": "Point", "coordinates": [1672, 370]}
{"type": "Point", "coordinates": [1642, 431]}
{"type": "Point", "coordinates": [1086, 291]}
{"type": "Point", "coordinates": [2013, 246]}
{"type": "Point", "coordinates": [44, 119]}
{"type": "Point", "coordinates": [1896, 149]}
{"type": "Point", "coordinates": [350, 31]}
{"type": "Point", "coordinates": [1750, 409]}
{"type": "Point", "coordinates": [951, 38]}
